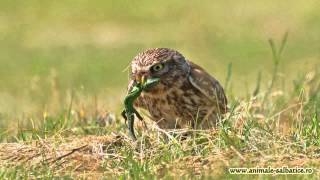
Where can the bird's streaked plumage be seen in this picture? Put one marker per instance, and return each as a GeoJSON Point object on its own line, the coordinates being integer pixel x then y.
{"type": "Point", "coordinates": [185, 96]}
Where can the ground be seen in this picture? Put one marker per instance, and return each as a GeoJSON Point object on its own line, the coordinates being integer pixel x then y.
{"type": "Point", "coordinates": [277, 132]}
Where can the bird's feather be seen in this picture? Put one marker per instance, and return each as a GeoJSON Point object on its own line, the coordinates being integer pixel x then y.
{"type": "Point", "coordinates": [208, 86]}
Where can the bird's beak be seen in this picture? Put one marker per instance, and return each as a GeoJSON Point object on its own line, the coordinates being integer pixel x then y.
{"type": "Point", "coordinates": [141, 78]}
{"type": "Point", "coordinates": [146, 81]}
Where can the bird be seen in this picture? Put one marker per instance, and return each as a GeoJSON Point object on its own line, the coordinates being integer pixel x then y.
{"type": "Point", "coordinates": [187, 96]}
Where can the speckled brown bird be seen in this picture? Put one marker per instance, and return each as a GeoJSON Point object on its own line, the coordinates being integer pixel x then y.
{"type": "Point", "coordinates": [186, 96]}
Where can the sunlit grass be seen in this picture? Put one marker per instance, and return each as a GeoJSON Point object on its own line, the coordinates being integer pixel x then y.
{"type": "Point", "coordinates": [270, 127]}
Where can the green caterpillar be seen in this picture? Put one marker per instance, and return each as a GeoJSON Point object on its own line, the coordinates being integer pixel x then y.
{"type": "Point", "coordinates": [129, 111]}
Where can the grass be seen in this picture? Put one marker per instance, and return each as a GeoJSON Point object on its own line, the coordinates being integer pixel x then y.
{"type": "Point", "coordinates": [63, 78]}
{"type": "Point", "coordinates": [269, 128]}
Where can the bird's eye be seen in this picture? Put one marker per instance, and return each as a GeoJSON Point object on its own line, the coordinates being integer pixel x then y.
{"type": "Point", "coordinates": [157, 67]}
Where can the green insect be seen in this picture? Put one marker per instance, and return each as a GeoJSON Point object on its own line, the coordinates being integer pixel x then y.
{"type": "Point", "coordinates": [129, 111]}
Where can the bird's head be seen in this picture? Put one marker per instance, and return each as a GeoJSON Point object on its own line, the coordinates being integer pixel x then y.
{"type": "Point", "coordinates": [166, 64]}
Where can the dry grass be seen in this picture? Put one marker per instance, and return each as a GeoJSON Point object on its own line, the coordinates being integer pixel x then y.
{"type": "Point", "coordinates": [253, 134]}
{"type": "Point", "coordinates": [96, 156]}
{"type": "Point", "coordinates": [270, 128]}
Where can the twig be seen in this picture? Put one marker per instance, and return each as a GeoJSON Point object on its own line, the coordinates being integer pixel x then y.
{"type": "Point", "coordinates": [68, 154]}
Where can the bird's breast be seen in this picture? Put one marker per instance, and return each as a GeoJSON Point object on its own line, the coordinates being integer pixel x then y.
{"type": "Point", "coordinates": [176, 102]}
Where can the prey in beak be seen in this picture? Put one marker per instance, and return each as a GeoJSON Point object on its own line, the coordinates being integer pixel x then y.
{"type": "Point", "coordinates": [146, 81]}
{"type": "Point", "coordinates": [142, 77]}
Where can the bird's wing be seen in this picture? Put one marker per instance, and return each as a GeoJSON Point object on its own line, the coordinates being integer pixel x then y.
{"type": "Point", "coordinates": [208, 86]}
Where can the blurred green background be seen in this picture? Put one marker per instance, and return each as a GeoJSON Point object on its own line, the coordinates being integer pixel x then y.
{"type": "Point", "coordinates": [52, 48]}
